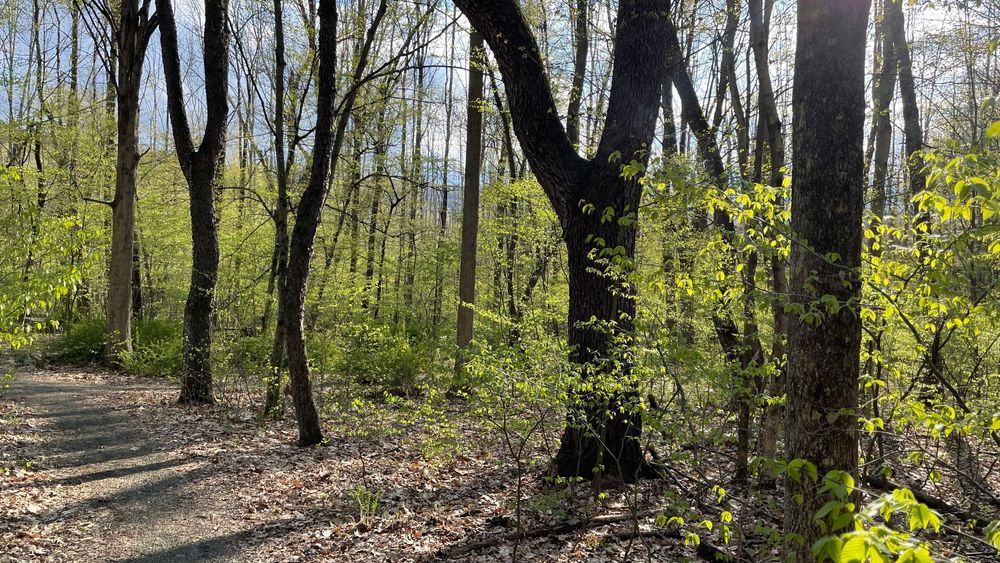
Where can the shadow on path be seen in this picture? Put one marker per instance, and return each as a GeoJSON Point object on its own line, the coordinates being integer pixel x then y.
{"type": "Point", "coordinates": [138, 498]}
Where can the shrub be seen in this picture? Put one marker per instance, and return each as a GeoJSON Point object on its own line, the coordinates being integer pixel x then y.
{"type": "Point", "coordinates": [82, 344]}
{"type": "Point", "coordinates": [377, 357]}
{"type": "Point", "coordinates": [154, 331]}
{"type": "Point", "coordinates": [249, 356]}
{"type": "Point", "coordinates": [157, 350]}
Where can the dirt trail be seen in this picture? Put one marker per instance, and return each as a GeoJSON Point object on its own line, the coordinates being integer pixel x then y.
{"type": "Point", "coordinates": [110, 489]}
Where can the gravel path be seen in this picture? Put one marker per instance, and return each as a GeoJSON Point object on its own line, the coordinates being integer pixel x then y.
{"type": "Point", "coordinates": [113, 490]}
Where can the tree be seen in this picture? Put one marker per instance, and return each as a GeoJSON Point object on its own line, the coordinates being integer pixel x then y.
{"type": "Point", "coordinates": [326, 146]}
{"type": "Point", "coordinates": [131, 34]}
{"type": "Point", "coordinates": [201, 168]}
{"type": "Point", "coordinates": [470, 198]}
{"type": "Point", "coordinates": [272, 398]}
{"type": "Point", "coordinates": [881, 135]}
{"type": "Point", "coordinates": [771, 130]}
{"type": "Point", "coordinates": [913, 133]}
{"type": "Point", "coordinates": [600, 431]}
{"type": "Point", "coordinates": [828, 103]}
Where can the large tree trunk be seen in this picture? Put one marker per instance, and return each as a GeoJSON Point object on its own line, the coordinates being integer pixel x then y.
{"type": "Point", "coordinates": [201, 168]}
{"type": "Point", "coordinates": [134, 29]}
{"type": "Point", "coordinates": [200, 305]}
{"type": "Point", "coordinates": [600, 313]}
{"type": "Point", "coordinates": [827, 204]}
{"type": "Point", "coordinates": [470, 200]}
{"type": "Point", "coordinates": [572, 185]}
{"type": "Point", "coordinates": [119, 303]}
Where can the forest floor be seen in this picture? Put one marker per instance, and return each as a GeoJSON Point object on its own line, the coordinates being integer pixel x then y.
{"type": "Point", "coordinates": [100, 467]}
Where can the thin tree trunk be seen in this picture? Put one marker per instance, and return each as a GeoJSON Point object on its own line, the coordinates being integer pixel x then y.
{"type": "Point", "coordinates": [775, 137]}
{"type": "Point", "coordinates": [293, 293]}
{"type": "Point", "coordinates": [669, 126]}
{"type": "Point", "coordinates": [377, 193]}
{"type": "Point", "coordinates": [272, 396]}
{"type": "Point", "coordinates": [914, 138]}
{"type": "Point", "coordinates": [354, 201]}
{"type": "Point", "coordinates": [470, 200]}
{"type": "Point", "coordinates": [885, 84]}
{"type": "Point", "coordinates": [443, 211]}
{"type": "Point", "coordinates": [581, 43]}
{"type": "Point", "coordinates": [416, 173]}
{"type": "Point", "coordinates": [326, 148]}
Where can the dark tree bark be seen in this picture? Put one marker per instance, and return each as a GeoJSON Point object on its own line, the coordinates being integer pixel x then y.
{"type": "Point", "coordinates": [914, 137]}
{"type": "Point", "coordinates": [293, 293]}
{"type": "Point", "coordinates": [326, 145]}
{"type": "Point", "coordinates": [885, 84]}
{"type": "Point", "coordinates": [201, 168]}
{"type": "Point", "coordinates": [137, 308]}
{"type": "Point", "coordinates": [470, 199]}
{"type": "Point", "coordinates": [669, 141]}
{"type": "Point", "coordinates": [601, 431]}
{"type": "Point", "coordinates": [581, 44]}
{"type": "Point", "coordinates": [272, 396]}
{"type": "Point", "coordinates": [827, 203]}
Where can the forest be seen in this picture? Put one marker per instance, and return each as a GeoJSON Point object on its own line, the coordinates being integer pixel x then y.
{"type": "Point", "coordinates": [500, 280]}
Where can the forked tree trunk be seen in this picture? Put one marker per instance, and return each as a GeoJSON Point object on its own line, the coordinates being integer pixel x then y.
{"type": "Point", "coordinates": [602, 431]}
{"type": "Point", "coordinates": [201, 168]}
{"type": "Point", "coordinates": [828, 120]}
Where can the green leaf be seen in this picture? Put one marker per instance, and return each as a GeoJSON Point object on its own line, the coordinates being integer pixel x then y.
{"type": "Point", "coordinates": [827, 547]}
{"type": "Point", "coordinates": [993, 534]}
{"type": "Point", "coordinates": [915, 555]}
{"type": "Point", "coordinates": [853, 551]}
{"type": "Point", "coordinates": [993, 130]}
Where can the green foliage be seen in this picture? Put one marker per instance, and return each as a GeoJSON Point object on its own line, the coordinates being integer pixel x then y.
{"type": "Point", "coordinates": [375, 356]}
{"type": "Point", "coordinates": [516, 391]}
{"type": "Point", "coordinates": [249, 356]}
{"type": "Point", "coordinates": [83, 343]}
{"type": "Point", "coordinates": [872, 538]}
{"type": "Point", "coordinates": [368, 504]}
{"type": "Point", "coordinates": [41, 263]}
{"type": "Point", "coordinates": [6, 379]}
{"type": "Point", "coordinates": [157, 350]}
